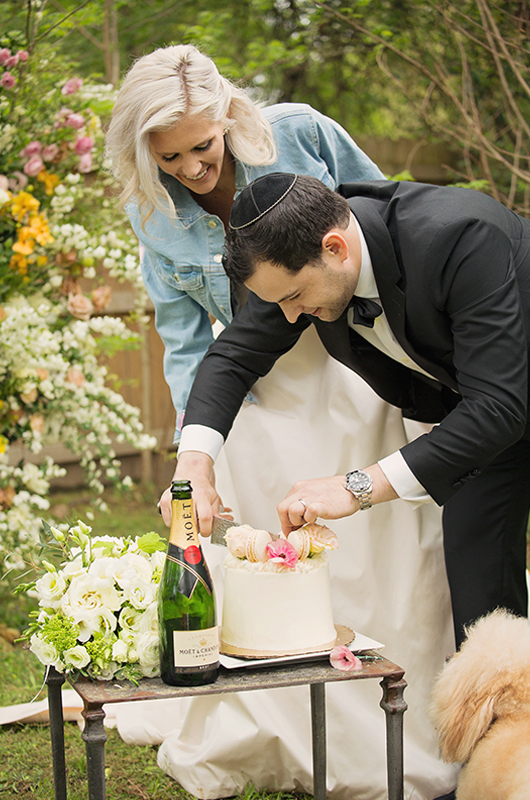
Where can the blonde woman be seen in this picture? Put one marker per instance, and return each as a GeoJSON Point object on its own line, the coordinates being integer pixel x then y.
{"type": "Point", "coordinates": [184, 141]}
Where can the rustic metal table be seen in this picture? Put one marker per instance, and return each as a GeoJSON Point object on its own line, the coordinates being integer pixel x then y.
{"type": "Point", "coordinates": [96, 694]}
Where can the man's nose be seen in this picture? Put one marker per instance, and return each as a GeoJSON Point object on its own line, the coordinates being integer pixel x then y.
{"type": "Point", "coordinates": [291, 311]}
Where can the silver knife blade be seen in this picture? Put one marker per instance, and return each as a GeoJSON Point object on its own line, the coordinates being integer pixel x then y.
{"type": "Point", "coordinates": [219, 528]}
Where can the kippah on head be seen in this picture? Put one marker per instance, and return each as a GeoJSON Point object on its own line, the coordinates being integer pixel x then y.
{"type": "Point", "coordinates": [259, 197]}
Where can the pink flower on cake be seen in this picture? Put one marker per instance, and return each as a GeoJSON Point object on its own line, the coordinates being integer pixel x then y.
{"type": "Point", "coordinates": [342, 658]}
{"type": "Point", "coordinates": [281, 552]}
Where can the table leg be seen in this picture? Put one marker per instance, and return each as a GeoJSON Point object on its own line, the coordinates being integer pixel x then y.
{"type": "Point", "coordinates": [318, 728]}
{"type": "Point", "coordinates": [95, 737]}
{"type": "Point", "coordinates": [394, 706]}
{"type": "Point", "coordinates": [54, 682]}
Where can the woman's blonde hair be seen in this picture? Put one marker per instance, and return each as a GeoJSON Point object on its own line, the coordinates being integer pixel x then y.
{"type": "Point", "coordinates": [157, 92]}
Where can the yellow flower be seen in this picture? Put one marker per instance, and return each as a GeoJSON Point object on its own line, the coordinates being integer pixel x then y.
{"type": "Point", "coordinates": [3, 443]}
{"type": "Point", "coordinates": [39, 229]}
{"type": "Point", "coordinates": [49, 179]}
{"type": "Point", "coordinates": [23, 203]}
{"type": "Point", "coordinates": [19, 263]}
{"type": "Point", "coordinates": [26, 241]}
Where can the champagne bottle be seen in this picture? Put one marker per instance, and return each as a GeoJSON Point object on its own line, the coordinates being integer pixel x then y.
{"type": "Point", "coordinates": [189, 638]}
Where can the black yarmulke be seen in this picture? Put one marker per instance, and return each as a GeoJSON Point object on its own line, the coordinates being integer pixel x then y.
{"type": "Point", "coordinates": [259, 197]}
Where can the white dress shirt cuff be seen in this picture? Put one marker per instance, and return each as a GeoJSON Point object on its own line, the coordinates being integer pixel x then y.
{"type": "Point", "coordinates": [403, 480]}
{"type": "Point", "coordinates": [201, 438]}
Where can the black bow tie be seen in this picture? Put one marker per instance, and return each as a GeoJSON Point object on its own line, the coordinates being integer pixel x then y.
{"type": "Point", "coordinates": [364, 311]}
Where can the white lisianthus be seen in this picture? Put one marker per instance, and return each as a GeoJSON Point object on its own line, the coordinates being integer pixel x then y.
{"type": "Point", "coordinates": [51, 588]}
{"type": "Point", "coordinates": [101, 620]}
{"type": "Point", "coordinates": [76, 657]}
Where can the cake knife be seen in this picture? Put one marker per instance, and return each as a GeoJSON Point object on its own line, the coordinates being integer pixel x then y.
{"type": "Point", "coordinates": [220, 527]}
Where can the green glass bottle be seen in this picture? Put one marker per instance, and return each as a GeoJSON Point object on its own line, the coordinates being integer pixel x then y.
{"type": "Point", "coordinates": [189, 636]}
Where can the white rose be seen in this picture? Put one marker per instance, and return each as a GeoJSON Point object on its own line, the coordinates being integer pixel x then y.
{"type": "Point", "coordinates": [45, 651]}
{"type": "Point", "coordinates": [149, 619]}
{"type": "Point", "coordinates": [51, 588]}
{"type": "Point", "coordinates": [119, 651]}
{"type": "Point", "coordinates": [140, 594]}
{"type": "Point", "coordinates": [76, 657]}
{"type": "Point", "coordinates": [147, 645]}
{"type": "Point", "coordinates": [130, 568]}
{"type": "Point", "coordinates": [88, 593]}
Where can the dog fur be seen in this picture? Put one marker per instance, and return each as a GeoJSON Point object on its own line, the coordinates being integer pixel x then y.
{"type": "Point", "coordinates": [481, 709]}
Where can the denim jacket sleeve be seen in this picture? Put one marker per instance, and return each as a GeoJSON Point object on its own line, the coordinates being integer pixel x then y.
{"type": "Point", "coordinates": [183, 326]}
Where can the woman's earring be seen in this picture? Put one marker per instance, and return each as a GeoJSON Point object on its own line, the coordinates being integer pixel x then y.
{"type": "Point", "coordinates": [225, 131]}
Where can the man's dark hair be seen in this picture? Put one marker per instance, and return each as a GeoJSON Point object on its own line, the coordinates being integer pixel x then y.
{"type": "Point", "coordinates": [290, 234]}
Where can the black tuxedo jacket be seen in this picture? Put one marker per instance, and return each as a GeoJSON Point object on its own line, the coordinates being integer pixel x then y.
{"type": "Point", "coordinates": [452, 268]}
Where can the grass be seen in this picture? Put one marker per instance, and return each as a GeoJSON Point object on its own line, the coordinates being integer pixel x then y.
{"type": "Point", "coordinates": [25, 752]}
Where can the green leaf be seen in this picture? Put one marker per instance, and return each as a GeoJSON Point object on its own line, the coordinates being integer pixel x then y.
{"type": "Point", "coordinates": [150, 542]}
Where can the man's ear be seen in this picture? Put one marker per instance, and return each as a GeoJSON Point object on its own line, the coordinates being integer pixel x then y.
{"type": "Point", "coordinates": [334, 243]}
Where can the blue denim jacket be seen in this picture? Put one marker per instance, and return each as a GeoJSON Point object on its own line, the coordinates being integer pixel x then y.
{"type": "Point", "coordinates": [182, 263]}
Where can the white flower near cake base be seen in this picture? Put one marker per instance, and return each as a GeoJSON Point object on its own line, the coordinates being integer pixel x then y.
{"type": "Point", "coordinates": [148, 653]}
{"type": "Point", "coordinates": [76, 657]}
{"type": "Point", "coordinates": [45, 651]}
{"type": "Point", "coordinates": [51, 588]}
{"type": "Point", "coordinates": [98, 609]}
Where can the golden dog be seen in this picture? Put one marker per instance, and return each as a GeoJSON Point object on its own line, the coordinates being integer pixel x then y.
{"type": "Point", "coordinates": [481, 709]}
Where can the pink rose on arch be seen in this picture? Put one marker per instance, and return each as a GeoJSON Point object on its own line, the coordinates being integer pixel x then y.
{"type": "Point", "coordinates": [12, 61]}
{"type": "Point", "coordinates": [75, 376]}
{"type": "Point", "coordinates": [18, 182]}
{"type": "Point", "coordinates": [83, 145]}
{"type": "Point", "coordinates": [101, 296]}
{"type": "Point", "coordinates": [50, 152]}
{"type": "Point", "coordinates": [23, 55]}
{"type": "Point", "coordinates": [85, 163]}
{"type": "Point", "coordinates": [80, 306]}
{"type": "Point", "coordinates": [5, 53]}
{"type": "Point", "coordinates": [31, 149]}
{"type": "Point", "coordinates": [7, 80]}
{"type": "Point", "coordinates": [71, 86]}
{"type": "Point", "coordinates": [281, 552]}
{"type": "Point", "coordinates": [34, 166]}
{"type": "Point", "coordinates": [343, 658]}
{"type": "Point", "coordinates": [74, 121]}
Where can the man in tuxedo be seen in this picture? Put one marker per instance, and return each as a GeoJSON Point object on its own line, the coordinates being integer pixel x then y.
{"type": "Point", "coordinates": [424, 291]}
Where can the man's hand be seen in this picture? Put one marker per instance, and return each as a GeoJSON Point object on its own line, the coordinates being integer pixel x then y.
{"type": "Point", "coordinates": [328, 498]}
{"type": "Point", "coordinates": [197, 468]}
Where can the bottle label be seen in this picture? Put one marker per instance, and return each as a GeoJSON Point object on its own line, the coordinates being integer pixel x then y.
{"type": "Point", "coordinates": [194, 569]}
{"type": "Point", "coordinates": [196, 648]}
{"type": "Point", "coordinates": [183, 531]}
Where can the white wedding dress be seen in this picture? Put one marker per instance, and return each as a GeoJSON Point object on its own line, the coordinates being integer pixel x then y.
{"type": "Point", "coordinates": [316, 418]}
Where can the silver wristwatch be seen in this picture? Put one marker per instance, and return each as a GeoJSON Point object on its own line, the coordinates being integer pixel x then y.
{"type": "Point", "coordinates": [359, 483]}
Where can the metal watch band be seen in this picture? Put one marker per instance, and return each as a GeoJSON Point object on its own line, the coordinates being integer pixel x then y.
{"type": "Point", "coordinates": [365, 499]}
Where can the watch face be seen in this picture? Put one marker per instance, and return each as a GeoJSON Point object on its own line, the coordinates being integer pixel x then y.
{"type": "Point", "coordinates": [358, 481]}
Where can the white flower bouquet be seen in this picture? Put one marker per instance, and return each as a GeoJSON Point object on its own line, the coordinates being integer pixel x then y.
{"type": "Point", "coordinates": [98, 607]}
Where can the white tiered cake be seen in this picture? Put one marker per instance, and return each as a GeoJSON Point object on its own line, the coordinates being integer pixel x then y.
{"type": "Point", "coordinates": [277, 597]}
